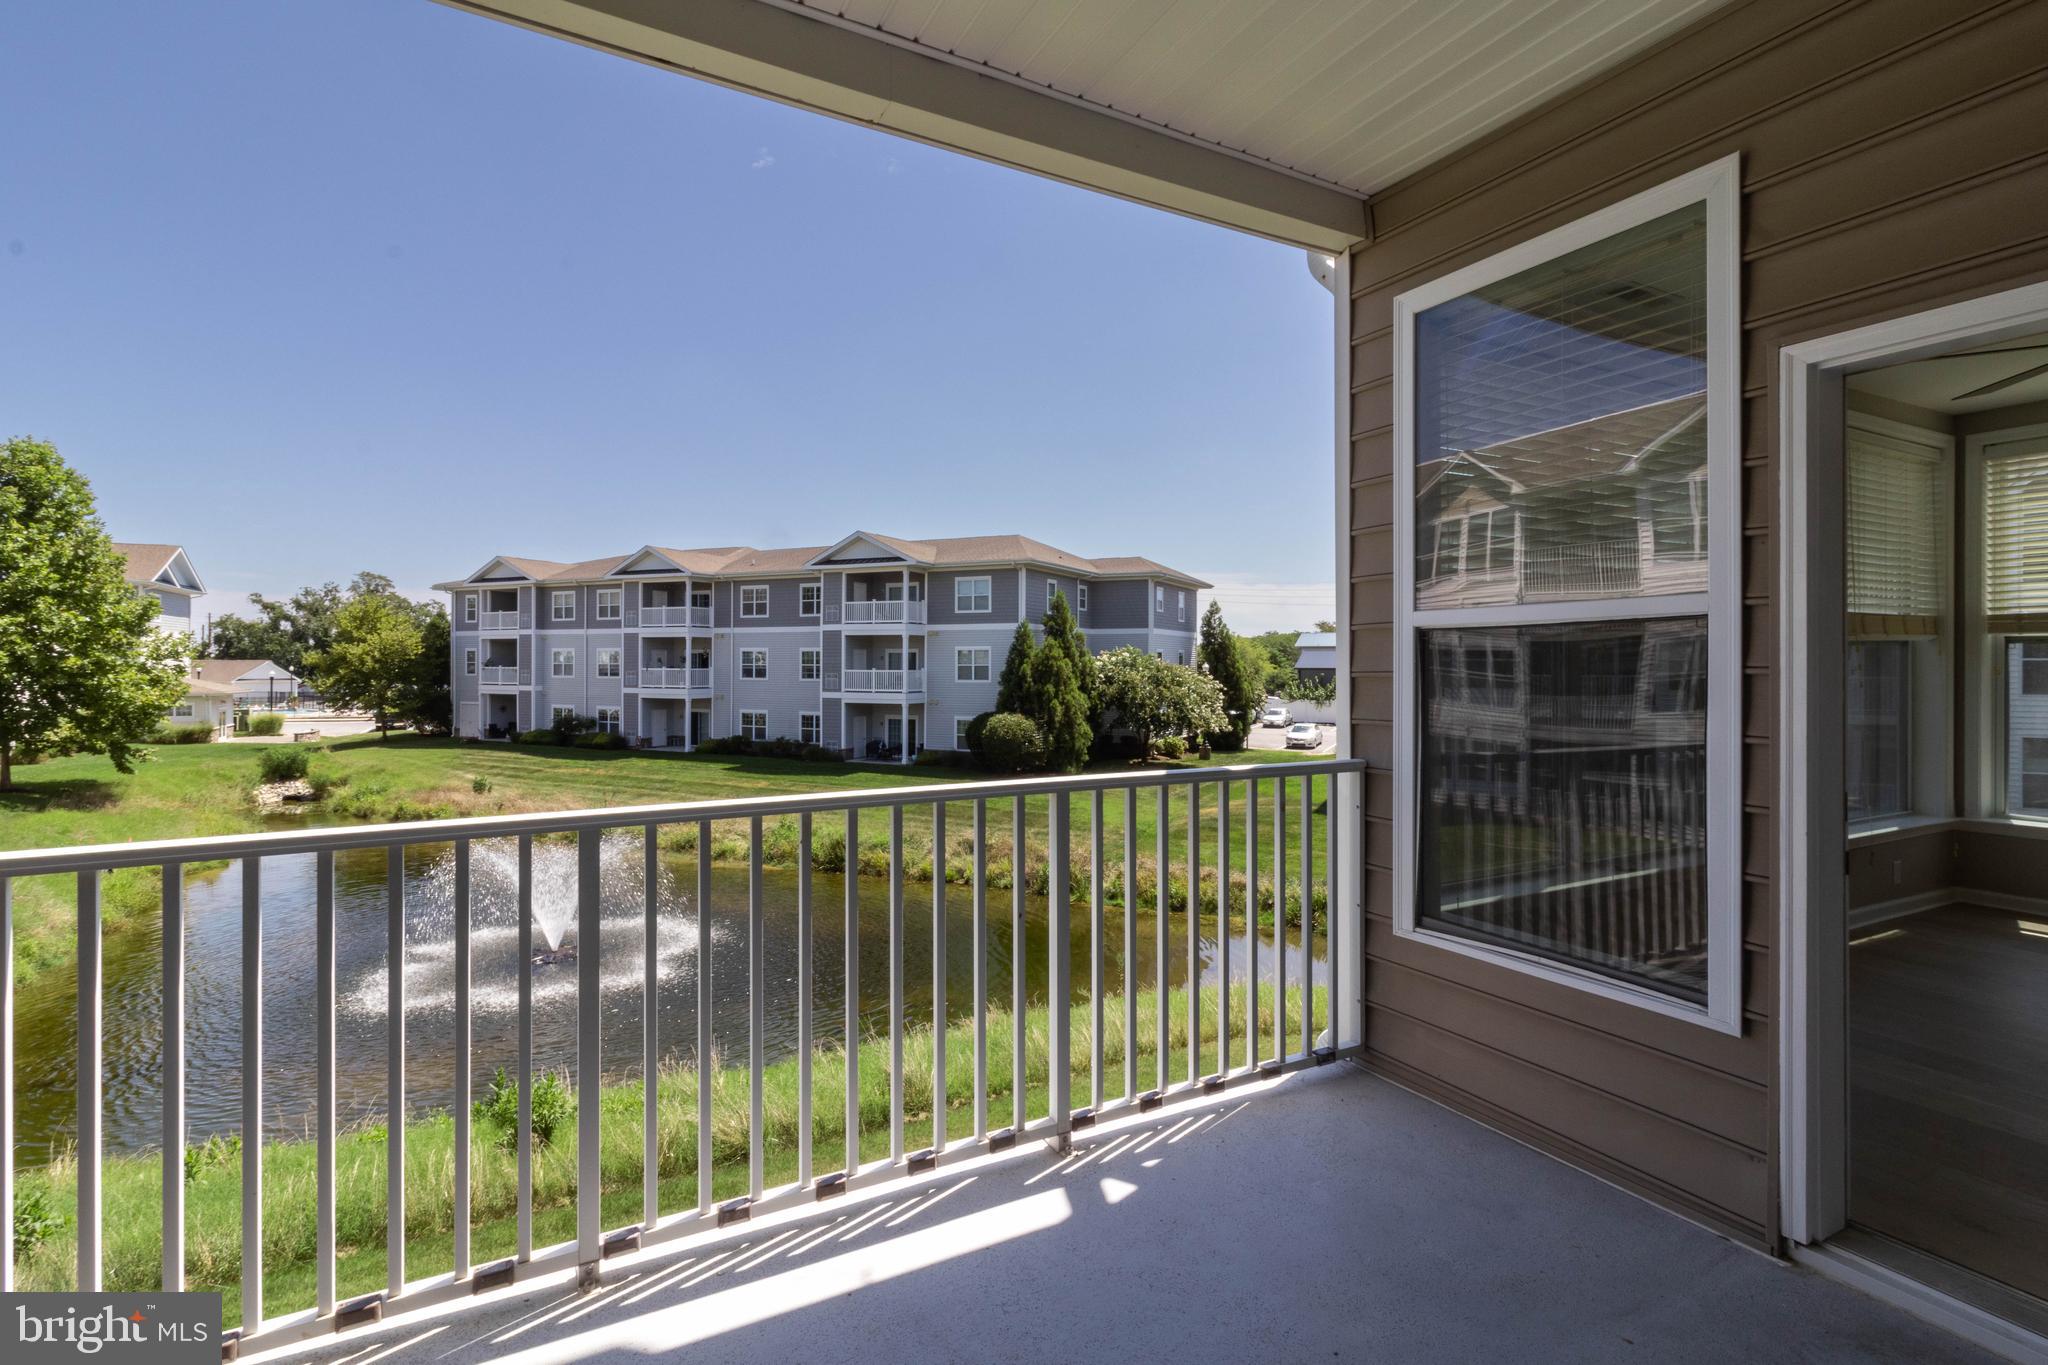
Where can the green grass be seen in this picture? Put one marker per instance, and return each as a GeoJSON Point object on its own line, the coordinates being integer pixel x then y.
{"type": "Point", "coordinates": [133, 1192]}
{"type": "Point", "coordinates": [199, 790]}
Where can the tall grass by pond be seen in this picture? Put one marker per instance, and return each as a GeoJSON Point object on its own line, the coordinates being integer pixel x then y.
{"type": "Point", "coordinates": [133, 1191]}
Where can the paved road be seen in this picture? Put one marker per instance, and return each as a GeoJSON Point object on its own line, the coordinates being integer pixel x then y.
{"type": "Point", "coordinates": [1263, 738]}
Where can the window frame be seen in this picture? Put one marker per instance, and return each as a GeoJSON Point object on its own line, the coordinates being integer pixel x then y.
{"type": "Point", "coordinates": [810, 663]}
{"type": "Point", "coordinates": [747, 654]}
{"type": "Point", "coordinates": [767, 602]}
{"type": "Point", "coordinates": [1180, 605]}
{"type": "Point", "coordinates": [555, 658]}
{"type": "Point", "coordinates": [960, 725]}
{"type": "Point", "coordinates": [469, 608]}
{"type": "Point", "coordinates": [1987, 783]}
{"type": "Point", "coordinates": [558, 710]}
{"type": "Point", "coordinates": [1080, 596]}
{"type": "Point", "coordinates": [813, 721]}
{"type": "Point", "coordinates": [613, 660]}
{"type": "Point", "coordinates": [1717, 186]}
{"type": "Point", "coordinates": [184, 710]}
{"type": "Point", "coordinates": [556, 598]}
{"type": "Point", "coordinates": [963, 658]}
{"type": "Point", "coordinates": [618, 600]}
{"type": "Point", "coordinates": [962, 601]}
{"type": "Point", "coordinates": [745, 717]}
{"type": "Point", "coordinates": [469, 663]}
{"type": "Point", "coordinates": [618, 720]}
{"type": "Point", "coordinates": [812, 592]}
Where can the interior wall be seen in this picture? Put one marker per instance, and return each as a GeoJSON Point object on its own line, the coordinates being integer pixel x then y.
{"type": "Point", "coordinates": [1895, 155]}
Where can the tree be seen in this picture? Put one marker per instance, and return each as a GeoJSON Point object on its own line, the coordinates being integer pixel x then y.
{"type": "Point", "coordinates": [1223, 659]}
{"type": "Point", "coordinates": [1063, 632]}
{"type": "Point", "coordinates": [1058, 696]}
{"type": "Point", "coordinates": [424, 701]}
{"type": "Point", "coordinates": [1016, 678]}
{"type": "Point", "coordinates": [375, 658]}
{"type": "Point", "coordinates": [82, 663]}
{"type": "Point", "coordinates": [1325, 627]}
{"type": "Point", "coordinates": [1153, 698]}
{"type": "Point", "coordinates": [287, 632]}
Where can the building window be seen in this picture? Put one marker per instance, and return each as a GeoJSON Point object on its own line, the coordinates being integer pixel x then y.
{"type": "Point", "coordinates": [608, 663]}
{"type": "Point", "coordinates": [1052, 590]}
{"type": "Point", "coordinates": [973, 595]}
{"type": "Point", "coordinates": [810, 599]}
{"type": "Point", "coordinates": [1181, 658]}
{"type": "Point", "coordinates": [1567, 788]}
{"type": "Point", "coordinates": [1159, 603]}
{"type": "Point", "coordinates": [2026, 725]}
{"type": "Point", "coordinates": [1181, 605]}
{"type": "Point", "coordinates": [971, 665]}
{"type": "Point", "coordinates": [1879, 710]}
{"type": "Point", "coordinates": [469, 607]}
{"type": "Point", "coordinates": [183, 711]}
{"type": "Point", "coordinates": [469, 662]}
{"type": "Point", "coordinates": [960, 724]}
{"type": "Point", "coordinates": [810, 727]}
{"type": "Point", "coordinates": [562, 604]}
{"type": "Point", "coordinates": [701, 598]}
{"type": "Point", "coordinates": [610, 603]}
{"type": "Point", "coordinates": [562, 712]}
{"type": "Point", "coordinates": [753, 663]}
{"type": "Point", "coordinates": [562, 663]}
{"type": "Point", "coordinates": [811, 664]}
{"type": "Point", "coordinates": [1081, 596]}
{"type": "Point", "coordinates": [608, 721]}
{"type": "Point", "coordinates": [754, 725]}
{"type": "Point", "coordinates": [754, 600]}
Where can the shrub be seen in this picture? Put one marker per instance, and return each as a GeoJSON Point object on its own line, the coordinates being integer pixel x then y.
{"type": "Point", "coordinates": [1172, 746]}
{"type": "Point", "coordinates": [974, 730]}
{"type": "Point", "coordinates": [567, 725]}
{"type": "Point", "coordinates": [538, 737]}
{"type": "Point", "coordinates": [284, 763]}
{"type": "Point", "coordinates": [269, 723]}
{"type": "Point", "coordinates": [945, 758]}
{"type": "Point", "coordinates": [479, 785]}
{"type": "Point", "coordinates": [599, 740]}
{"type": "Point", "coordinates": [1012, 743]}
{"type": "Point", "coordinates": [553, 1108]}
{"type": "Point", "coordinates": [217, 1150]}
{"type": "Point", "coordinates": [182, 734]}
{"type": "Point", "coordinates": [36, 1218]}
{"type": "Point", "coordinates": [770, 748]}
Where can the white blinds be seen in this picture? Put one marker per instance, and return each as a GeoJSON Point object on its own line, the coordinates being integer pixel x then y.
{"type": "Point", "coordinates": [1897, 520]}
{"type": "Point", "coordinates": [2016, 529]}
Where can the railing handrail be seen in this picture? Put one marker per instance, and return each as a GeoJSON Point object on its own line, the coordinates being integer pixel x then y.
{"type": "Point", "coordinates": [38, 862]}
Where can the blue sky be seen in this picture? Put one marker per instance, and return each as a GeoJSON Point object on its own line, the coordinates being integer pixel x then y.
{"type": "Point", "coordinates": [329, 285]}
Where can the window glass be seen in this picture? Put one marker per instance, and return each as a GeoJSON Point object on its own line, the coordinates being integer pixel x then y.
{"type": "Point", "coordinates": [1879, 719]}
{"type": "Point", "coordinates": [811, 599]}
{"type": "Point", "coordinates": [2026, 726]}
{"type": "Point", "coordinates": [753, 663]}
{"type": "Point", "coordinates": [1562, 794]}
{"type": "Point", "coordinates": [971, 665]}
{"type": "Point", "coordinates": [608, 663]}
{"type": "Point", "coordinates": [562, 663]}
{"type": "Point", "coordinates": [811, 664]}
{"type": "Point", "coordinates": [562, 605]}
{"type": "Point", "coordinates": [810, 728]}
{"type": "Point", "coordinates": [608, 600]}
{"type": "Point", "coordinates": [971, 594]}
{"type": "Point", "coordinates": [754, 600]}
{"type": "Point", "coordinates": [960, 724]}
{"type": "Point", "coordinates": [469, 607]}
{"type": "Point", "coordinates": [1081, 596]}
{"type": "Point", "coordinates": [754, 724]}
{"type": "Point", "coordinates": [1560, 426]}
{"type": "Point", "coordinates": [608, 722]}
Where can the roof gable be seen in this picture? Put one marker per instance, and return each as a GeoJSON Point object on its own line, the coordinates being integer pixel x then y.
{"type": "Point", "coordinates": [160, 566]}
{"type": "Point", "coordinates": [863, 547]}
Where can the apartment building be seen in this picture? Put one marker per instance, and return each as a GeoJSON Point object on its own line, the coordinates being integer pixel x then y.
{"type": "Point", "coordinates": [875, 646]}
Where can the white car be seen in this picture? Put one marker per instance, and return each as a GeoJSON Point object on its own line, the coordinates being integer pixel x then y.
{"type": "Point", "coordinates": [1304, 735]}
{"type": "Point", "coordinates": [1276, 718]}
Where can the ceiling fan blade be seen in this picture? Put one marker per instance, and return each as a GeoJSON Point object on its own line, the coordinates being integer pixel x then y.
{"type": "Point", "coordinates": [1995, 385]}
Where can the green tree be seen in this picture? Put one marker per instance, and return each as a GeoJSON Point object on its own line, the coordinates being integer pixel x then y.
{"type": "Point", "coordinates": [1012, 690]}
{"type": "Point", "coordinates": [287, 631]}
{"type": "Point", "coordinates": [1223, 659]}
{"type": "Point", "coordinates": [1153, 698]}
{"type": "Point", "coordinates": [374, 660]}
{"type": "Point", "coordinates": [425, 702]}
{"type": "Point", "coordinates": [1325, 627]}
{"type": "Point", "coordinates": [1058, 697]}
{"type": "Point", "coordinates": [82, 663]}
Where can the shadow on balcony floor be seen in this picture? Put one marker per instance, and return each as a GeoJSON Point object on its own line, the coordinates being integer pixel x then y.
{"type": "Point", "coordinates": [1333, 1216]}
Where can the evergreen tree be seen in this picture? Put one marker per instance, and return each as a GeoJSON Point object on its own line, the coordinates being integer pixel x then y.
{"type": "Point", "coordinates": [1222, 660]}
{"type": "Point", "coordinates": [1059, 698]}
{"type": "Point", "coordinates": [83, 665]}
{"type": "Point", "coordinates": [1013, 692]}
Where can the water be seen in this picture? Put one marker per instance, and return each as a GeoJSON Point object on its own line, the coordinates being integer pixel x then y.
{"type": "Point", "coordinates": [46, 1032]}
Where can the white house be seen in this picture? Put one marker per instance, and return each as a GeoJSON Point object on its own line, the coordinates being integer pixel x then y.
{"type": "Point", "coordinates": [165, 573]}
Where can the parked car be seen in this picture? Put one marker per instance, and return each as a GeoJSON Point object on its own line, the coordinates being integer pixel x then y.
{"type": "Point", "coordinates": [1304, 735]}
{"type": "Point", "coordinates": [1276, 718]}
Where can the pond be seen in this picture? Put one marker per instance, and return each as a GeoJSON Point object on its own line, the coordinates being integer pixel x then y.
{"type": "Point", "coordinates": [46, 1031]}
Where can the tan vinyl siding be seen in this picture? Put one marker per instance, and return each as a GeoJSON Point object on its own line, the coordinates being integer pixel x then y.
{"type": "Point", "coordinates": [1895, 157]}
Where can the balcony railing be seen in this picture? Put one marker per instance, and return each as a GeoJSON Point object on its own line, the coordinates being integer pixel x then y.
{"type": "Point", "coordinates": [674, 616]}
{"type": "Point", "coordinates": [1241, 1049]}
{"type": "Point", "coordinates": [499, 675]}
{"type": "Point", "coordinates": [884, 613]}
{"type": "Point", "coordinates": [498, 620]}
{"type": "Point", "coordinates": [675, 679]}
{"type": "Point", "coordinates": [894, 681]}
{"type": "Point", "coordinates": [1600, 568]}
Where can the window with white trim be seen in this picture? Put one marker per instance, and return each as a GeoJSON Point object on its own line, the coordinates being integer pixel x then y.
{"type": "Point", "coordinates": [561, 663]}
{"type": "Point", "coordinates": [1567, 785]}
{"type": "Point", "coordinates": [754, 600]}
{"type": "Point", "coordinates": [1052, 590]}
{"type": "Point", "coordinates": [562, 712]}
{"type": "Point", "coordinates": [810, 727]}
{"type": "Point", "coordinates": [608, 663]}
{"type": "Point", "coordinates": [1181, 605]}
{"type": "Point", "coordinates": [1159, 603]}
{"type": "Point", "coordinates": [469, 608]}
{"type": "Point", "coordinates": [972, 664]}
{"type": "Point", "coordinates": [610, 604]}
{"type": "Point", "coordinates": [754, 725]}
{"type": "Point", "coordinates": [469, 662]}
{"type": "Point", "coordinates": [973, 595]}
{"type": "Point", "coordinates": [609, 721]}
{"type": "Point", "coordinates": [810, 599]}
{"type": "Point", "coordinates": [753, 663]}
{"type": "Point", "coordinates": [960, 724]}
{"type": "Point", "coordinates": [183, 710]}
{"type": "Point", "coordinates": [1081, 597]}
{"type": "Point", "coordinates": [810, 664]}
{"type": "Point", "coordinates": [562, 604]}
{"type": "Point", "coordinates": [2012, 487]}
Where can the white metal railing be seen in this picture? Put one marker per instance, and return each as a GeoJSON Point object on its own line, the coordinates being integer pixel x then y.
{"type": "Point", "coordinates": [890, 680]}
{"type": "Point", "coordinates": [675, 679]}
{"type": "Point", "coordinates": [1595, 569]}
{"type": "Point", "coordinates": [1289, 791]}
{"type": "Point", "coordinates": [675, 616]}
{"type": "Point", "coordinates": [875, 613]}
{"type": "Point", "coordinates": [498, 620]}
{"type": "Point", "coordinates": [499, 673]}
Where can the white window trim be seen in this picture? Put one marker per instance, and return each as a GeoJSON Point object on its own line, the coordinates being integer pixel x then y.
{"type": "Point", "coordinates": [963, 658]}
{"type": "Point", "coordinates": [556, 597]}
{"type": "Point", "coordinates": [1080, 597]}
{"type": "Point", "coordinates": [987, 595]}
{"type": "Point", "coordinates": [618, 716]}
{"type": "Point", "coordinates": [469, 663]}
{"type": "Point", "coordinates": [555, 658]}
{"type": "Point", "coordinates": [557, 711]}
{"type": "Point", "coordinates": [740, 601]}
{"type": "Point", "coordinates": [1052, 588]}
{"type": "Point", "coordinates": [810, 664]}
{"type": "Point", "coordinates": [816, 719]}
{"type": "Point", "coordinates": [762, 716]}
{"type": "Point", "coordinates": [184, 710]}
{"type": "Point", "coordinates": [805, 590]}
{"type": "Point", "coordinates": [618, 611]}
{"type": "Point", "coordinates": [1181, 604]}
{"type": "Point", "coordinates": [617, 663]}
{"type": "Point", "coordinates": [469, 608]}
{"type": "Point", "coordinates": [1718, 184]}
{"type": "Point", "coordinates": [960, 724]}
{"type": "Point", "coordinates": [761, 654]}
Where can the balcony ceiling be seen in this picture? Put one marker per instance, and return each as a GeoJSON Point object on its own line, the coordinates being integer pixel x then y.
{"type": "Point", "coordinates": [1275, 116]}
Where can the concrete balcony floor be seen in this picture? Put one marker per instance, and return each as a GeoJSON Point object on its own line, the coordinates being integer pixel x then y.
{"type": "Point", "coordinates": [1327, 1215]}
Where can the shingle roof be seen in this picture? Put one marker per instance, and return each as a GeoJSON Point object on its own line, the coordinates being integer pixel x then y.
{"type": "Point", "coordinates": [226, 670]}
{"type": "Point", "coordinates": [145, 562]}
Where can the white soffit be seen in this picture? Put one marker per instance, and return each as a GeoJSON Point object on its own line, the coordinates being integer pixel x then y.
{"type": "Point", "coordinates": [1274, 116]}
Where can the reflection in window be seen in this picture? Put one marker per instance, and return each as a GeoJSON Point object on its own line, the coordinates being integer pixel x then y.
{"type": "Point", "coordinates": [1570, 823]}
{"type": "Point", "coordinates": [2026, 725]}
{"type": "Point", "coordinates": [1560, 423]}
{"type": "Point", "coordinates": [1880, 680]}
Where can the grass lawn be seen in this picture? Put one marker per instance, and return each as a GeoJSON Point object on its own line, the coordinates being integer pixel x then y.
{"type": "Point", "coordinates": [207, 789]}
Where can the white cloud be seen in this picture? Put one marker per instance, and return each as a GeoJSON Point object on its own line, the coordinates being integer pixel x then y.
{"type": "Point", "coordinates": [763, 159]}
{"type": "Point", "coordinates": [1253, 606]}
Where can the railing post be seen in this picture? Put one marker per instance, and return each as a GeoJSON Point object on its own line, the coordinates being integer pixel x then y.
{"type": "Point", "coordinates": [1095, 933]}
{"type": "Point", "coordinates": [981, 970]}
{"type": "Point", "coordinates": [89, 1082]}
{"type": "Point", "coordinates": [1194, 927]}
{"type": "Point", "coordinates": [589, 1054]}
{"type": "Point", "coordinates": [851, 889]}
{"type": "Point", "coordinates": [6, 1085]}
{"type": "Point", "coordinates": [325, 940]}
{"type": "Point", "coordinates": [704, 1059]}
{"type": "Point", "coordinates": [896, 982]}
{"type": "Point", "coordinates": [1223, 928]}
{"type": "Point", "coordinates": [252, 1095]}
{"type": "Point", "coordinates": [1251, 924]}
{"type": "Point", "coordinates": [462, 1049]}
{"type": "Point", "coordinates": [650, 1028]}
{"type": "Point", "coordinates": [1019, 1072]}
{"type": "Point", "coordinates": [1058, 990]}
{"type": "Point", "coordinates": [524, 934]}
{"type": "Point", "coordinates": [1161, 867]}
{"type": "Point", "coordinates": [938, 976]}
{"type": "Point", "coordinates": [805, 972]}
{"type": "Point", "coordinates": [757, 1014]}
{"type": "Point", "coordinates": [173, 994]}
